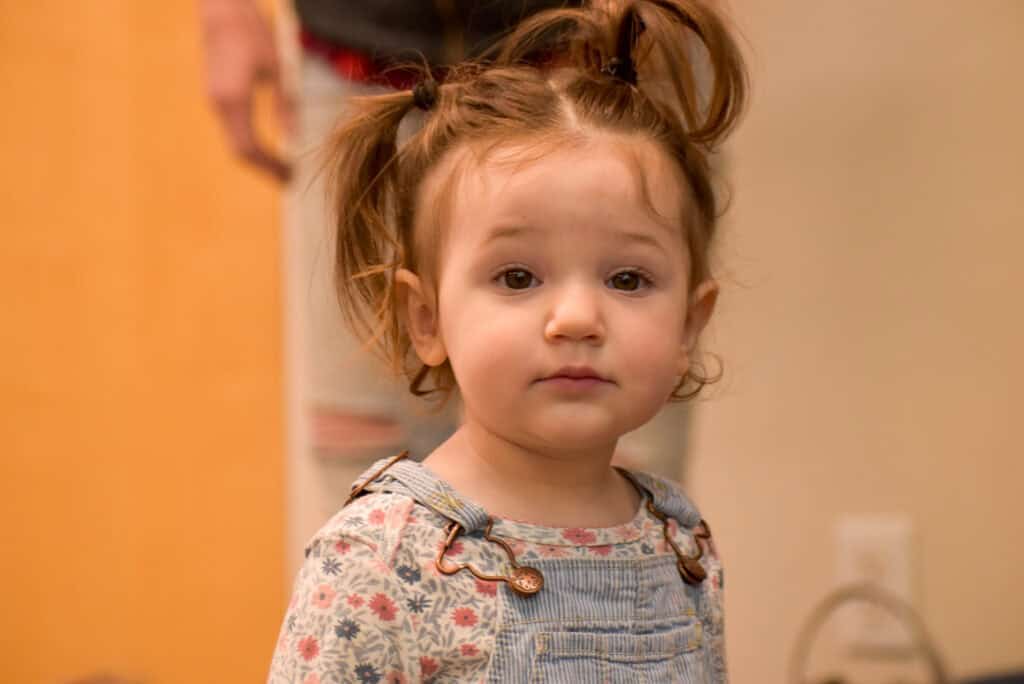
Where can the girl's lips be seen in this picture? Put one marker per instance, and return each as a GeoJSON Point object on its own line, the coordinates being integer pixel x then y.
{"type": "Point", "coordinates": [562, 382]}
{"type": "Point", "coordinates": [575, 372]}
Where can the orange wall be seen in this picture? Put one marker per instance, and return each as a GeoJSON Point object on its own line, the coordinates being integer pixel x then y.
{"type": "Point", "coordinates": [140, 356]}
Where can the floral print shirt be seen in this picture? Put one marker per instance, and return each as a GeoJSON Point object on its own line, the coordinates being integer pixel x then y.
{"type": "Point", "coordinates": [370, 606]}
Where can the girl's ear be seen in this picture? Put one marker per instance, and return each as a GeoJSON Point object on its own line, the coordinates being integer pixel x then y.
{"type": "Point", "coordinates": [698, 313]}
{"type": "Point", "coordinates": [416, 306]}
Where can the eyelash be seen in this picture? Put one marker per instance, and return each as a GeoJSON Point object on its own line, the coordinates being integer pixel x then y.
{"type": "Point", "coordinates": [645, 277]}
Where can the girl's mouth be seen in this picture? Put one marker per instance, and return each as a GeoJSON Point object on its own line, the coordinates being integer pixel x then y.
{"type": "Point", "coordinates": [575, 379]}
{"type": "Point", "coordinates": [576, 373]}
{"type": "Point", "coordinates": [564, 383]}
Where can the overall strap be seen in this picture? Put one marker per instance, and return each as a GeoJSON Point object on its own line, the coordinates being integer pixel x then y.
{"type": "Point", "coordinates": [667, 497]}
{"type": "Point", "coordinates": [414, 480]}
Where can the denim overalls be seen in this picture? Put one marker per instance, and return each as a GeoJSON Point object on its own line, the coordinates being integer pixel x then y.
{"type": "Point", "coordinates": [595, 619]}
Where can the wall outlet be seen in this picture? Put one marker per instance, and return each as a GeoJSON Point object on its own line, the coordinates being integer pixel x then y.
{"type": "Point", "coordinates": [876, 550]}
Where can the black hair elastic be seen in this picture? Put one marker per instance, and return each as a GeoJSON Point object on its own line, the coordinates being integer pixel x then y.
{"type": "Point", "coordinates": [620, 68]}
{"type": "Point", "coordinates": [424, 94]}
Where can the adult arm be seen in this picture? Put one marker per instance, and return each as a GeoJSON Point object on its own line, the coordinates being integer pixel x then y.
{"type": "Point", "coordinates": [240, 53]}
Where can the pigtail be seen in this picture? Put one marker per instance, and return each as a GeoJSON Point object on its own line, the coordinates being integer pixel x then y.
{"type": "Point", "coordinates": [621, 65]}
{"type": "Point", "coordinates": [679, 53]}
{"type": "Point", "coordinates": [362, 172]}
{"type": "Point", "coordinates": [708, 78]}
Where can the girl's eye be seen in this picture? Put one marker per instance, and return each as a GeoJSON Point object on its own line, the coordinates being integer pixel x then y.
{"type": "Point", "coordinates": [516, 278]}
{"type": "Point", "coordinates": [629, 280]}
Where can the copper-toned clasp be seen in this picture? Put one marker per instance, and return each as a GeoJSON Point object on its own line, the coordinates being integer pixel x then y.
{"type": "Point", "coordinates": [690, 569]}
{"type": "Point", "coordinates": [524, 580]}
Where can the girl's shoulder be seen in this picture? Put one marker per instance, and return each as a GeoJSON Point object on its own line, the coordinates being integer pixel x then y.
{"type": "Point", "coordinates": [377, 522]}
{"type": "Point", "coordinates": [667, 496]}
{"type": "Point", "coordinates": [364, 593]}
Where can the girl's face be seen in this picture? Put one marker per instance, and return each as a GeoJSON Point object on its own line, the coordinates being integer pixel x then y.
{"type": "Point", "coordinates": [571, 262]}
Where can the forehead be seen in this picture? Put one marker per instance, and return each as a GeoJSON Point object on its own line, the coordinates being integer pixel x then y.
{"type": "Point", "coordinates": [602, 183]}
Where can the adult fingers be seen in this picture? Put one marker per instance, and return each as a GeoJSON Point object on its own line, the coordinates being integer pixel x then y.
{"type": "Point", "coordinates": [237, 117]}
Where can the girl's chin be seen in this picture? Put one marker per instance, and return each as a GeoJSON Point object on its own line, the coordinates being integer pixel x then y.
{"type": "Point", "coordinates": [574, 435]}
{"type": "Point", "coordinates": [561, 426]}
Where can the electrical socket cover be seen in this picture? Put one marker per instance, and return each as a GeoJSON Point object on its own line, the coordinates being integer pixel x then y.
{"type": "Point", "coordinates": [875, 549]}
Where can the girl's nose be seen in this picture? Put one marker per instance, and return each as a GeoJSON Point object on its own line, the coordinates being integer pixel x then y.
{"type": "Point", "coordinates": [575, 315]}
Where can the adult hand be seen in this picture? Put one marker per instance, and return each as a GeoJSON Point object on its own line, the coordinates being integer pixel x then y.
{"type": "Point", "coordinates": [240, 55]}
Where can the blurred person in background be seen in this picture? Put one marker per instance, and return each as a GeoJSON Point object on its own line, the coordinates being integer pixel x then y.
{"type": "Point", "coordinates": [345, 410]}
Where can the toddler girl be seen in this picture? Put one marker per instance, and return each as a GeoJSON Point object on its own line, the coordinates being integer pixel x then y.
{"type": "Point", "coordinates": [539, 246]}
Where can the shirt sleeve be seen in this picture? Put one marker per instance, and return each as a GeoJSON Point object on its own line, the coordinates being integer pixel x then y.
{"type": "Point", "coordinates": [713, 617]}
{"type": "Point", "coordinates": [346, 620]}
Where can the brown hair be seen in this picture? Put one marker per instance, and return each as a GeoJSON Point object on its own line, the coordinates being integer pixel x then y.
{"type": "Point", "coordinates": [631, 67]}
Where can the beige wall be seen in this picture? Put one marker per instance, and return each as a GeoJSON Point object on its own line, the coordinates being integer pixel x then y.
{"type": "Point", "coordinates": [872, 325]}
{"type": "Point", "coordinates": [140, 353]}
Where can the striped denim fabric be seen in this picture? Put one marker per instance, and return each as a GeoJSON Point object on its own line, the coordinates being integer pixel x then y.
{"type": "Point", "coordinates": [602, 621]}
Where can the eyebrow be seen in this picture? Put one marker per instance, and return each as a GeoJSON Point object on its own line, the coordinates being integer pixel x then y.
{"type": "Point", "coordinates": [509, 233]}
{"type": "Point", "coordinates": [512, 232]}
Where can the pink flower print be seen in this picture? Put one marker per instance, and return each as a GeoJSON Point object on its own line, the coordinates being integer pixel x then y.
{"type": "Point", "coordinates": [602, 550]}
{"type": "Point", "coordinates": [487, 588]}
{"type": "Point", "coordinates": [343, 547]}
{"type": "Point", "coordinates": [464, 617]}
{"type": "Point", "coordinates": [311, 678]}
{"type": "Point", "coordinates": [354, 600]}
{"type": "Point", "coordinates": [549, 551]}
{"type": "Point", "coordinates": [518, 547]}
{"type": "Point", "coordinates": [623, 532]}
{"type": "Point", "coordinates": [469, 650]}
{"type": "Point", "coordinates": [578, 535]}
{"type": "Point", "coordinates": [376, 517]}
{"type": "Point", "coordinates": [323, 597]}
{"type": "Point", "coordinates": [428, 666]}
{"type": "Point", "coordinates": [396, 515]}
{"type": "Point", "coordinates": [383, 607]}
{"type": "Point", "coordinates": [395, 677]}
{"type": "Point", "coordinates": [309, 648]}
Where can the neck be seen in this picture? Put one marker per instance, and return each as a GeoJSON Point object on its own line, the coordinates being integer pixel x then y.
{"type": "Point", "coordinates": [557, 487]}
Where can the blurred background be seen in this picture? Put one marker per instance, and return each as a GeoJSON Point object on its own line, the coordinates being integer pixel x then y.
{"type": "Point", "coordinates": [870, 325]}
